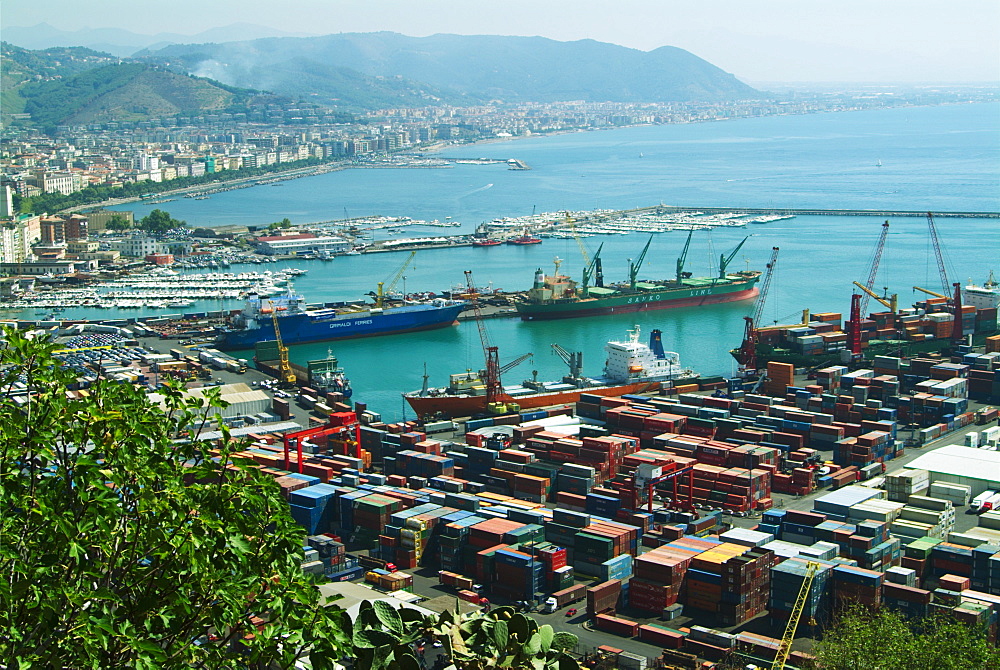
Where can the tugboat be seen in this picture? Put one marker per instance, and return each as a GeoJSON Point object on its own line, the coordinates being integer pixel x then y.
{"type": "Point", "coordinates": [486, 243]}
{"type": "Point", "coordinates": [524, 240]}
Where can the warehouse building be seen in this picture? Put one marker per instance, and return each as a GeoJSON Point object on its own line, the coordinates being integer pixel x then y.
{"type": "Point", "coordinates": [955, 464]}
{"type": "Point", "coordinates": [243, 400]}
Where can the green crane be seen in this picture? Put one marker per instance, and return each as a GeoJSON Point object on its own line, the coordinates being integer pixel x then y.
{"type": "Point", "coordinates": [589, 270]}
{"type": "Point", "coordinates": [633, 268]}
{"type": "Point", "coordinates": [683, 257]}
{"type": "Point", "coordinates": [725, 260]}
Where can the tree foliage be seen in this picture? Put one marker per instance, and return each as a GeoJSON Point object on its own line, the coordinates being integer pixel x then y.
{"type": "Point", "coordinates": [117, 222]}
{"type": "Point", "coordinates": [388, 639]}
{"type": "Point", "coordinates": [158, 222]}
{"type": "Point", "coordinates": [862, 640]}
{"type": "Point", "coordinates": [284, 224]}
{"type": "Point", "coordinates": [122, 545]}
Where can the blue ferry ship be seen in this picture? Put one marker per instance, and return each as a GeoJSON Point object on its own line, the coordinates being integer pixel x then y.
{"type": "Point", "coordinates": [299, 325]}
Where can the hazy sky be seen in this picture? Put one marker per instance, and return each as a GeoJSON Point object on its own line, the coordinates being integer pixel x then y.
{"type": "Point", "coordinates": [757, 40]}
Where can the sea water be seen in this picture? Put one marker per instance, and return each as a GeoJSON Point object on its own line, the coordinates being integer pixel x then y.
{"type": "Point", "coordinates": [921, 158]}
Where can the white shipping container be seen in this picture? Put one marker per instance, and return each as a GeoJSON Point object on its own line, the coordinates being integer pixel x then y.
{"type": "Point", "coordinates": [990, 520]}
{"type": "Point", "coordinates": [913, 529]}
{"type": "Point", "coordinates": [900, 575]}
{"type": "Point", "coordinates": [943, 519]}
{"type": "Point", "coordinates": [972, 439]}
{"type": "Point", "coordinates": [926, 502]}
{"type": "Point", "coordinates": [958, 494]}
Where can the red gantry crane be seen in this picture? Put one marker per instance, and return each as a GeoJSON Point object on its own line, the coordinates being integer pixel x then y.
{"type": "Point", "coordinates": [859, 303]}
{"type": "Point", "coordinates": [747, 356]}
{"type": "Point", "coordinates": [493, 372]}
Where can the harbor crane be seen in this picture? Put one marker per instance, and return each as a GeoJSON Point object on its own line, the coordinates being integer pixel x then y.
{"type": "Point", "coordinates": [859, 302]}
{"type": "Point", "coordinates": [681, 275]}
{"type": "Point", "coordinates": [945, 284]}
{"type": "Point", "coordinates": [633, 268]}
{"type": "Point", "coordinates": [873, 271]}
{"type": "Point", "coordinates": [573, 359]}
{"type": "Point", "coordinates": [747, 355]}
{"type": "Point", "coordinates": [592, 270]}
{"type": "Point", "coordinates": [493, 371]}
{"type": "Point", "coordinates": [785, 646]}
{"type": "Point", "coordinates": [287, 377]}
{"type": "Point", "coordinates": [725, 260]}
{"type": "Point", "coordinates": [380, 296]}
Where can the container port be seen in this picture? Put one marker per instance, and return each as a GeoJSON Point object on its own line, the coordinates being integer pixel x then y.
{"type": "Point", "coordinates": [683, 524]}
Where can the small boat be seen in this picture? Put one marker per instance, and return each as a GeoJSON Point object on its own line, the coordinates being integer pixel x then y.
{"type": "Point", "coordinates": [524, 240]}
{"type": "Point", "coordinates": [486, 243]}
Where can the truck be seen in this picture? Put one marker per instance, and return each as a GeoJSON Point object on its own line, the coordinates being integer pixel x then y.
{"type": "Point", "coordinates": [985, 501]}
{"type": "Point", "coordinates": [570, 595]}
{"type": "Point", "coordinates": [370, 562]}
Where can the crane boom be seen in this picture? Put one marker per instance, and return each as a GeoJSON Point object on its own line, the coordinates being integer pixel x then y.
{"type": "Point", "coordinates": [929, 292]}
{"type": "Point", "coordinates": [590, 268]}
{"type": "Point", "coordinates": [491, 376]}
{"type": "Point", "coordinates": [573, 359]}
{"type": "Point", "coordinates": [633, 268]}
{"type": "Point", "coordinates": [748, 350]}
{"type": "Point", "coordinates": [891, 303]}
{"type": "Point", "coordinates": [284, 365]}
{"type": "Point", "coordinates": [392, 282]}
{"type": "Point", "coordinates": [785, 647]}
{"type": "Point", "coordinates": [514, 363]}
{"type": "Point", "coordinates": [945, 284]}
{"type": "Point", "coordinates": [873, 271]}
{"type": "Point", "coordinates": [683, 257]}
{"type": "Point", "coordinates": [725, 260]}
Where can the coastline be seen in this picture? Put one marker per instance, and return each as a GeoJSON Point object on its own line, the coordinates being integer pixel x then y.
{"type": "Point", "coordinates": [435, 148]}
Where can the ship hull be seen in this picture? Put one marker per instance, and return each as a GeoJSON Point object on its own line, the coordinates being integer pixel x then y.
{"type": "Point", "coordinates": [469, 405]}
{"type": "Point", "coordinates": [303, 328]}
{"type": "Point", "coordinates": [652, 300]}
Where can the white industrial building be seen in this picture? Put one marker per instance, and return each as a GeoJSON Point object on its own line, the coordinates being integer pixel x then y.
{"type": "Point", "coordinates": [302, 243]}
{"type": "Point", "coordinates": [955, 464]}
{"type": "Point", "coordinates": [243, 400]}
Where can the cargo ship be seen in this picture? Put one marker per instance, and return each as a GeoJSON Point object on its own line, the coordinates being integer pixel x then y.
{"type": "Point", "coordinates": [560, 297]}
{"type": "Point", "coordinates": [631, 367]}
{"type": "Point", "coordinates": [299, 325]}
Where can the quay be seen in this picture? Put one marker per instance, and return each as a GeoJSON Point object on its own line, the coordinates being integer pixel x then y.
{"type": "Point", "coordinates": [814, 212]}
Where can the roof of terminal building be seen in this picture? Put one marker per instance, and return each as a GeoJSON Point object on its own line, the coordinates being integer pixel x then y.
{"type": "Point", "coordinates": [961, 461]}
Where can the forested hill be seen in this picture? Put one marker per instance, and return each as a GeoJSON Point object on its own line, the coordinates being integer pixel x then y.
{"type": "Point", "coordinates": [512, 69]}
{"type": "Point", "coordinates": [126, 92]}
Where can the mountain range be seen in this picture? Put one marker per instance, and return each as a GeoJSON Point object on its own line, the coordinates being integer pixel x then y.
{"type": "Point", "coordinates": [483, 67]}
{"type": "Point", "coordinates": [350, 72]}
{"type": "Point", "coordinates": [119, 42]}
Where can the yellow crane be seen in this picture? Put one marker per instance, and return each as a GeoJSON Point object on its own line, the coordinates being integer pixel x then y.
{"type": "Point", "coordinates": [781, 657]}
{"type": "Point", "coordinates": [933, 293]}
{"type": "Point", "coordinates": [392, 282]}
{"type": "Point", "coordinates": [892, 303]}
{"type": "Point", "coordinates": [287, 377]}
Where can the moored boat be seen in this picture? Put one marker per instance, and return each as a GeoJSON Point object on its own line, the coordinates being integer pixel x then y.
{"type": "Point", "coordinates": [524, 240]}
{"type": "Point", "coordinates": [631, 367]}
{"type": "Point", "coordinates": [299, 325]}
{"type": "Point", "coordinates": [559, 296]}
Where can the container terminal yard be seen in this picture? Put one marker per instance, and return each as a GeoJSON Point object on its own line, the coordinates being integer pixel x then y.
{"type": "Point", "coordinates": [689, 528]}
